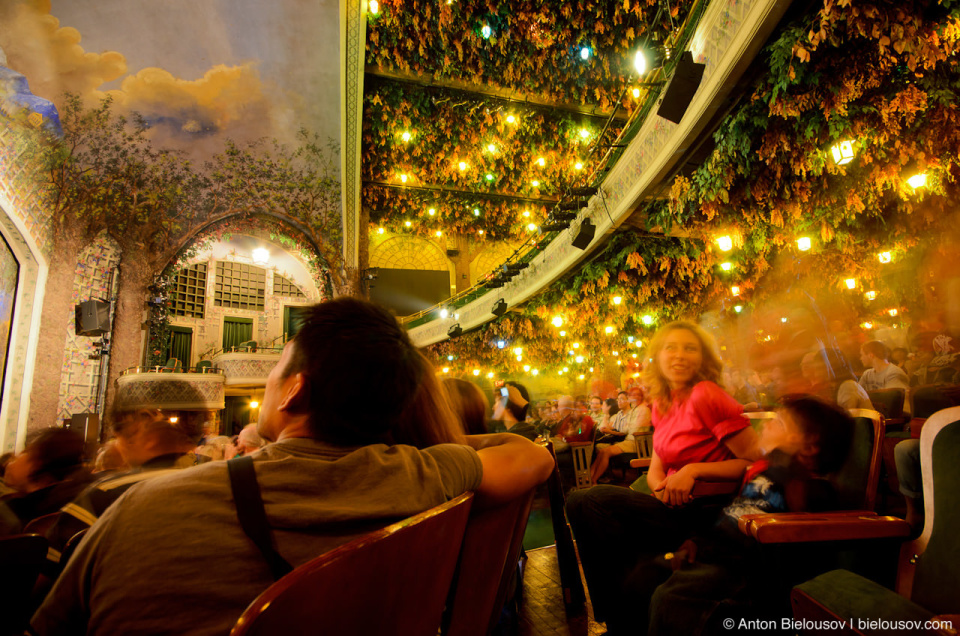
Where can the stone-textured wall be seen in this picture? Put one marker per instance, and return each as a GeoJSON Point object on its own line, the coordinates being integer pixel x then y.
{"type": "Point", "coordinates": [267, 324]}
{"type": "Point", "coordinates": [80, 375]}
{"type": "Point", "coordinates": [25, 226]}
{"type": "Point", "coordinates": [19, 187]}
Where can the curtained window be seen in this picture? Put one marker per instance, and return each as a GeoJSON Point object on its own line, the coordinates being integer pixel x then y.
{"type": "Point", "coordinates": [181, 341]}
{"type": "Point", "coordinates": [292, 318]}
{"type": "Point", "coordinates": [235, 331]}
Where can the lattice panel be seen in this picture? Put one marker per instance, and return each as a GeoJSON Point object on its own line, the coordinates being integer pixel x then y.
{"type": "Point", "coordinates": [18, 183]}
{"type": "Point", "coordinates": [408, 253]}
{"type": "Point", "coordinates": [493, 255]}
{"type": "Point", "coordinates": [283, 286]}
{"type": "Point", "coordinates": [80, 374]}
{"type": "Point", "coordinates": [190, 291]}
{"type": "Point", "coordinates": [240, 286]}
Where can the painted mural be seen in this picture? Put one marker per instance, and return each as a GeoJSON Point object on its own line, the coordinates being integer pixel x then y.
{"type": "Point", "coordinates": [9, 275]}
{"type": "Point", "coordinates": [198, 72]}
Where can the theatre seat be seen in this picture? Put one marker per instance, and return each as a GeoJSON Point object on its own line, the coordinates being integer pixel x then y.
{"type": "Point", "coordinates": [487, 567]}
{"type": "Point", "coordinates": [392, 582]}
{"type": "Point", "coordinates": [928, 577]}
{"type": "Point", "coordinates": [21, 556]}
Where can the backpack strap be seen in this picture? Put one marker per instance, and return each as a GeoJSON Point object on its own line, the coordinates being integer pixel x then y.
{"type": "Point", "coordinates": [251, 513]}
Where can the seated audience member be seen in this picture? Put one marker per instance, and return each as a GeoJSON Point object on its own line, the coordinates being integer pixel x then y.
{"type": "Point", "coordinates": [640, 418]}
{"type": "Point", "coordinates": [109, 459]}
{"type": "Point", "coordinates": [832, 382]}
{"type": "Point", "coordinates": [742, 391]}
{"type": "Point", "coordinates": [248, 441]}
{"type": "Point", "coordinates": [46, 475]}
{"type": "Point", "coordinates": [907, 457]}
{"type": "Point", "coordinates": [214, 448]}
{"type": "Point", "coordinates": [573, 425]}
{"type": "Point", "coordinates": [806, 444]}
{"type": "Point", "coordinates": [510, 411]}
{"type": "Point", "coordinates": [469, 403]}
{"type": "Point", "coordinates": [880, 373]}
{"type": "Point", "coordinates": [899, 357]}
{"type": "Point", "coordinates": [607, 424]}
{"type": "Point", "coordinates": [596, 408]}
{"type": "Point", "coordinates": [328, 476]}
{"type": "Point", "coordinates": [699, 432]}
{"type": "Point", "coordinates": [149, 442]}
{"type": "Point", "coordinates": [4, 460]}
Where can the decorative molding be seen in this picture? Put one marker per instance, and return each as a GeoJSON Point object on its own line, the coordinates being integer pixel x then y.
{"type": "Point", "coordinates": [246, 369]}
{"type": "Point", "coordinates": [729, 36]}
{"type": "Point", "coordinates": [353, 35]}
{"type": "Point", "coordinates": [174, 391]}
{"type": "Point", "coordinates": [25, 226]}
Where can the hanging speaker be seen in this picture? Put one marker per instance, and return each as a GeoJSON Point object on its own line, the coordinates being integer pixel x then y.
{"type": "Point", "coordinates": [454, 331]}
{"type": "Point", "coordinates": [500, 308]}
{"type": "Point", "coordinates": [683, 86]}
{"type": "Point", "coordinates": [92, 318]}
{"type": "Point", "coordinates": [585, 234]}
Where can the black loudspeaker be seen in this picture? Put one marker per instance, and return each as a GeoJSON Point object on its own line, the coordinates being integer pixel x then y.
{"type": "Point", "coordinates": [454, 331]}
{"type": "Point", "coordinates": [683, 86]}
{"type": "Point", "coordinates": [584, 234]}
{"type": "Point", "coordinates": [500, 308]}
{"type": "Point", "coordinates": [92, 318]}
{"type": "Point", "coordinates": [87, 424]}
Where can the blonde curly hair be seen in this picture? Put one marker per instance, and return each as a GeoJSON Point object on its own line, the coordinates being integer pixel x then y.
{"type": "Point", "coordinates": [658, 388]}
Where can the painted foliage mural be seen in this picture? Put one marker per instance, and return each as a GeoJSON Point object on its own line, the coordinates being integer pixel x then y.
{"type": "Point", "coordinates": [151, 122]}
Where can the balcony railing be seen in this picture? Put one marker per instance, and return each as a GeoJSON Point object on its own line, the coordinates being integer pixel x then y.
{"type": "Point", "coordinates": [158, 387]}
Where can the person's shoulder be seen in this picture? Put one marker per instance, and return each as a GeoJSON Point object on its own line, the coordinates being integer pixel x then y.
{"type": "Point", "coordinates": [710, 390]}
{"type": "Point", "coordinates": [178, 480]}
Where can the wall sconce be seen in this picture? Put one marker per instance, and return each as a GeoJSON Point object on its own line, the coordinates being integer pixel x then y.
{"type": "Point", "coordinates": [261, 256]}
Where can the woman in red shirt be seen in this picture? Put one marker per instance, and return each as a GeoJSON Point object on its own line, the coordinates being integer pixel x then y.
{"type": "Point", "coordinates": [698, 433]}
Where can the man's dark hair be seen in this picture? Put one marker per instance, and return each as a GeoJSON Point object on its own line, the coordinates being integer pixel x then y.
{"type": "Point", "coordinates": [56, 451]}
{"type": "Point", "coordinates": [360, 367]}
{"type": "Point", "coordinates": [826, 422]}
{"type": "Point", "coordinates": [519, 412]}
{"type": "Point", "coordinates": [877, 348]}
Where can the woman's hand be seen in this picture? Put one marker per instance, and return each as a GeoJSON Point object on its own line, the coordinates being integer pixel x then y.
{"type": "Point", "coordinates": [676, 489]}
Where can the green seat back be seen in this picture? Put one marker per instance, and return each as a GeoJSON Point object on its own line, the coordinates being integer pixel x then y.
{"type": "Point", "coordinates": [937, 577]}
{"type": "Point", "coordinates": [852, 481]}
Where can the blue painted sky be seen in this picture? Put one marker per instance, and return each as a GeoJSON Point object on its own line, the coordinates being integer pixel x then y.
{"type": "Point", "coordinates": [200, 69]}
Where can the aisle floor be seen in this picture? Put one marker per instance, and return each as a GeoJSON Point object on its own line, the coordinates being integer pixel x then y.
{"type": "Point", "coordinates": [543, 611]}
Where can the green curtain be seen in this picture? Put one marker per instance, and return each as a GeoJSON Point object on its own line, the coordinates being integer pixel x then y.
{"type": "Point", "coordinates": [292, 319]}
{"type": "Point", "coordinates": [180, 344]}
{"type": "Point", "coordinates": [235, 331]}
{"type": "Point", "coordinates": [235, 414]}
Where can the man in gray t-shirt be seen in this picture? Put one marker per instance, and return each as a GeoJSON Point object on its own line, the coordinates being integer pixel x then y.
{"type": "Point", "coordinates": [169, 556]}
{"type": "Point", "coordinates": [881, 373]}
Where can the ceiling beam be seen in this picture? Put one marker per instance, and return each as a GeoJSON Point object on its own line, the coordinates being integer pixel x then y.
{"type": "Point", "coordinates": [497, 94]}
{"type": "Point", "coordinates": [546, 201]}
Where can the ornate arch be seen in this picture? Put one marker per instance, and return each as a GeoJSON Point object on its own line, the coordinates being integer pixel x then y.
{"type": "Point", "coordinates": [408, 252]}
{"type": "Point", "coordinates": [291, 234]}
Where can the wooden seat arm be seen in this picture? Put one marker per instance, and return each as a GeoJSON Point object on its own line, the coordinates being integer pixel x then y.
{"type": "Point", "coordinates": [806, 527]}
{"type": "Point", "coordinates": [947, 624]}
{"type": "Point", "coordinates": [640, 463]}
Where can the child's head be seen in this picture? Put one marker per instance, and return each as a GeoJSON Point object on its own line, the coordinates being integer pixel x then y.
{"type": "Point", "coordinates": [813, 430]}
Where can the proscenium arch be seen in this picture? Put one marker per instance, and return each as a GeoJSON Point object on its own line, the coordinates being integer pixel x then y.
{"type": "Point", "coordinates": [295, 229]}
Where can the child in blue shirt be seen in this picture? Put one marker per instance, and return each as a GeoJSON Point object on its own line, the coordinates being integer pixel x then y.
{"type": "Point", "coordinates": [808, 441]}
